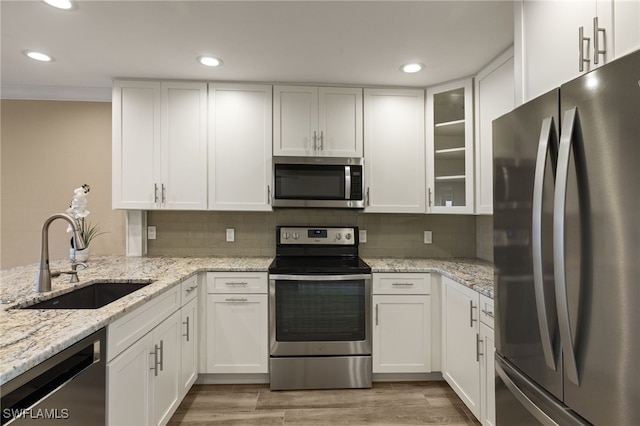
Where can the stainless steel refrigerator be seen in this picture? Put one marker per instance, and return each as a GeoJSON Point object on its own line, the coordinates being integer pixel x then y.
{"type": "Point", "coordinates": [567, 252]}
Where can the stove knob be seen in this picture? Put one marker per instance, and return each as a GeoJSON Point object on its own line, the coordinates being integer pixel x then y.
{"type": "Point", "coordinates": [296, 235]}
{"type": "Point", "coordinates": [285, 236]}
{"type": "Point", "coordinates": [348, 236]}
{"type": "Point", "coordinates": [338, 236]}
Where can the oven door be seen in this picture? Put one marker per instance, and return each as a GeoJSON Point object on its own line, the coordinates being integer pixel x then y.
{"type": "Point", "coordinates": [320, 315]}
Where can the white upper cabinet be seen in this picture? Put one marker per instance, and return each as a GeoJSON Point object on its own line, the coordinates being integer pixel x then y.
{"type": "Point", "coordinates": [159, 145]}
{"type": "Point", "coordinates": [240, 140]}
{"type": "Point", "coordinates": [136, 144]}
{"type": "Point", "coordinates": [557, 41]}
{"type": "Point", "coordinates": [317, 121]}
{"type": "Point", "coordinates": [495, 96]}
{"type": "Point", "coordinates": [394, 151]}
{"type": "Point", "coordinates": [450, 148]}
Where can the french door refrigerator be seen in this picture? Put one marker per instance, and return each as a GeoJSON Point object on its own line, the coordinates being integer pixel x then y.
{"type": "Point", "coordinates": [567, 253]}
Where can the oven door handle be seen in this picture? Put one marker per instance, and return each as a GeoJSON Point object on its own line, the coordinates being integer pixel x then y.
{"type": "Point", "coordinates": [346, 277]}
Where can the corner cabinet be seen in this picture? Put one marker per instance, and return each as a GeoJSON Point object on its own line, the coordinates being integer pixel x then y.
{"type": "Point", "coordinates": [450, 148]}
{"type": "Point", "coordinates": [159, 145]}
{"type": "Point", "coordinates": [240, 139]}
{"type": "Point", "coordinates": [394, 151]}
{"type": "Point", "coordinates": [317, 121]}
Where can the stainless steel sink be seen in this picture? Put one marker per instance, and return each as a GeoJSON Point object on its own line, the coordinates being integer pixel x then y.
{"type": "Point", "coordinates": [93, 296]}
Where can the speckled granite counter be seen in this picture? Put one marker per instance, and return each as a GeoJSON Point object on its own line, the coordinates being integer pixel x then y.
{"type": "Point", "coordinates": [474, 273]}
{"type": "Point", "coordinates": [28, 337]}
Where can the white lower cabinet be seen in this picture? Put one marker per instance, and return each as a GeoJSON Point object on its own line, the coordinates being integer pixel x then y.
{"type": "Point", "coordinates": [460, 362]}
{"type": "Point", "coordinates": [487, 363]}
{"type": "Point", "coordinates": [143, 380]}
{"type": "Point", "coordinates": [237, 323]}
{"type": "Point", "coordinates": [189, 335]}
{"type": "Point", "coordinates": [152, 358]}
{"type": "Point", "coordinates": [401, 323]}
{"type": "Point", "coordinates": [467, 349]}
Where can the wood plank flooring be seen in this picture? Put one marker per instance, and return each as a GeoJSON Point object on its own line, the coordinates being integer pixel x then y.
{"type": "Point", "coordinates": [387, 403]}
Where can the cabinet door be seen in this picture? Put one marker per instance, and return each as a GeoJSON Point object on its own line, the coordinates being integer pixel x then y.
{"type": "Point", "coordinates": [394, 151]}
{"type": "Point", "coordinates": [136, 144]}
{"type": "Point", "coordinates": [627, 31]}
{"type": "Point", "coordinates": [460, 359]}
{"type": "Point", "coordinates": [495, 96]}
{"type": "Point", "coordinates": [401, 334]}
{"type": "Point", "coordinates": [184, 146]}
{"type": "Point", "coordinates": [340, 122]}
{"type": "Point", "coordinates": [450, 148]}
{"type": "Point", "coordinates": [237, 330]}
{"type": "Point", "coordinates": [188, 346]}
{"type": "Point", "coordinates": [165, 395]}
{"type": "Point", "coordinates": [551, 45]}
{"type": "Point", "coordinates": [295, 120]}
{"type": "Point", "coordinates": [240, 141]}
{"type": "Point", "coordinates": [487, 377]}
{"type": "Point", "coordinates": [128, 385]}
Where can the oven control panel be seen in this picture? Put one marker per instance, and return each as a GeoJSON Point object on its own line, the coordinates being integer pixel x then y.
{"type": "Point", "coordinates": [297, 235]}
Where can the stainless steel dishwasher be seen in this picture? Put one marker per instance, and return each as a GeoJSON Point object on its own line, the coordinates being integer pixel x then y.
{"type": "Point", "coordinates": [69, 388]}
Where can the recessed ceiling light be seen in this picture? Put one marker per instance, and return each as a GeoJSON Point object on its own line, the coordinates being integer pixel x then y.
{"type": "Point", "coordinates": [61, 4]}
{"type": "Point", "coordinates": [38, 56]}
{"type": "Point", "coordinates": [209, 61]}
{"type": "Point", "coordinates": [411, 68]}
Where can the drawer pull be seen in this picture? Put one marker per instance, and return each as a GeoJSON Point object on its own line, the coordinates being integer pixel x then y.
{"type": "Point", "coordinates": [190, 289]}
{"type": "Point", "coordinates": [403, 284]}
{"type": "Point", "coordinates": [488, 313]}
{"type": "Point", "coordinates": [236, 299]}
{"type": "Point", "coordinates": [238, 283]}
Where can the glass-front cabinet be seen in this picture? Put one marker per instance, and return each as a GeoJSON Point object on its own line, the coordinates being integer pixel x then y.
{"type": "Point", "coordinates": [450, 148]}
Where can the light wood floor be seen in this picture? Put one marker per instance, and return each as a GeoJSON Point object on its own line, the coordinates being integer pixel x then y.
{"type": "Point", "coordinates": [397, 403]}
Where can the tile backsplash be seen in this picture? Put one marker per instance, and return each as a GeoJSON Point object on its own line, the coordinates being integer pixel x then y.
{"type": "Point", "coordinates": [388, 235]}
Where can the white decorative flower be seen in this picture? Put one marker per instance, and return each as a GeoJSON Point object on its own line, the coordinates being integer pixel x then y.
{"type": "Point", "coordinates": [79, 202]}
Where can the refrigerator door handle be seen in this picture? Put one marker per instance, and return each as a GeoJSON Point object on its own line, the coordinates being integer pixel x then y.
{"type": "Point", "coordinates": [546, 133]}
{"type": "Point", "coordinates": [559, 205]}
{"type": "Point", "coordinates": [522, 397]}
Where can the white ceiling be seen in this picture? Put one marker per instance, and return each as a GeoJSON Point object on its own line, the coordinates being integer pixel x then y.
{"type": "Point", "coordinates": [316, 42]}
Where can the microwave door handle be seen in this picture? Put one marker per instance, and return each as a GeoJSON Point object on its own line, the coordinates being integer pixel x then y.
{"type": "Point", "coordinates": [559, 206]}
{"type": "Point", "coordinates": [347, 182]}
{"type": "Point", "coordinates": [546, 133]}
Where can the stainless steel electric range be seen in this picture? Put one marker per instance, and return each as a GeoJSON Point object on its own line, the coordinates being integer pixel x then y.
{"type": "Point", "coordinates": [319, 310]}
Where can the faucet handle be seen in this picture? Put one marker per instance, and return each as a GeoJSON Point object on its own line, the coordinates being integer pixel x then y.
{"type": "Point", "coordinates": [75, 264]}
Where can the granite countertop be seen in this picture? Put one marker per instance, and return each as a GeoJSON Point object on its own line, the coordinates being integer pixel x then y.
{"type": "Point", "coordinates": [473, 273]}
{"type": "Point", "coordinates": [28, 337]}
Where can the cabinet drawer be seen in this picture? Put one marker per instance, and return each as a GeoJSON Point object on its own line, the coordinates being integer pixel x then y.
{"type": "Point", "coordinates": [486, 310]}
{"type": "Point", "coordinates": [237, 282]}
{"type": "Point", "coordinates": [189, 289]}
{"type": "Point", "coordinates": [126, 330]}
{"type": "Point", "coordinates": [402, 283]}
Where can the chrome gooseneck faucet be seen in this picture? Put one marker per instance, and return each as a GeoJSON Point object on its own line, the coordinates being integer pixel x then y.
{"type": "Point", "coordinates": [43, 282]}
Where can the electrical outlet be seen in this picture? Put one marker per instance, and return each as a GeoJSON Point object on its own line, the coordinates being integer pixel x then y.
{"type": "Point", "coordinates": [428, 237]}
{"type": "Point", "coordinates": [151, 232]}
{"type": "Point", "coordinates": [231, 235]}
{"type": "Point", "coordinates": [362, 236]}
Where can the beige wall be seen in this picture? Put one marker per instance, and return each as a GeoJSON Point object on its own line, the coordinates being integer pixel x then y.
{"type": "Point", "coordinates": [49, 148]}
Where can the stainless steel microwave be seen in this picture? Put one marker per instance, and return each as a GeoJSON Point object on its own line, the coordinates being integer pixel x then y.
{"type": "Point", "coordinates": [334, 182]}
